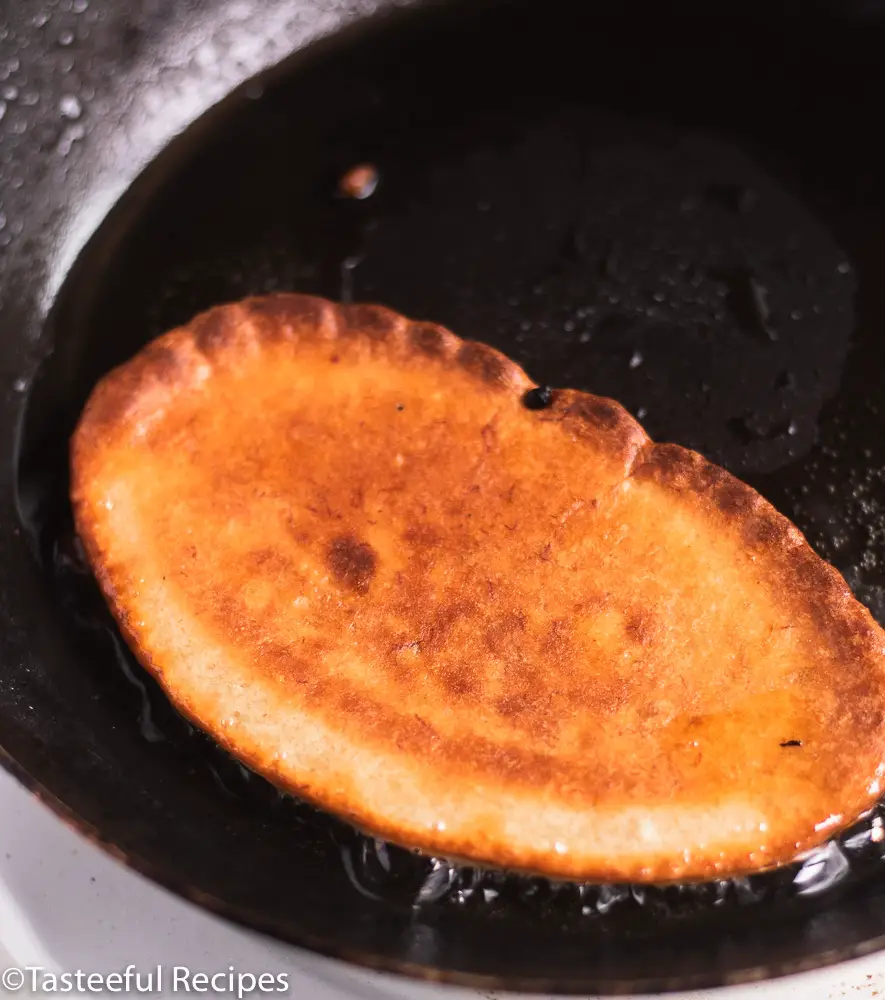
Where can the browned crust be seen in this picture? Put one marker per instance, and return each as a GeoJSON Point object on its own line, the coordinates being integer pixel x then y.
{"type": "Point", "coordinates": [218, 334]}
{"type": "Point", "coordinates": [222, 336]}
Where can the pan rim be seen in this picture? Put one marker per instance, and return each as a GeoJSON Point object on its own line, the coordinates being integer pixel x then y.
{"type": "Point", "coordinates": [429, 974]}
{"type": "Point", "coordinates": [39, 788]}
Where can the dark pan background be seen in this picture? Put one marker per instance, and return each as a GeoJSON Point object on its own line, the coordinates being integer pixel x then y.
{"type": "Point", "coordinates": [684, 212]}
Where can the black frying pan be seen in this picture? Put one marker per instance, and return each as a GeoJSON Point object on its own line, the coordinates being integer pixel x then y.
{"type": "Point", "coordinates": [687, 214]}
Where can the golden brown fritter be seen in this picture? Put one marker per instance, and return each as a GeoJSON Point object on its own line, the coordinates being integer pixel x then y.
{"type": "Point", "coordinates": [528, 638]}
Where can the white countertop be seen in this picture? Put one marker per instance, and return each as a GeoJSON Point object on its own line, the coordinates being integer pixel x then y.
{"type": "Point", "coordinates": [65, 905]}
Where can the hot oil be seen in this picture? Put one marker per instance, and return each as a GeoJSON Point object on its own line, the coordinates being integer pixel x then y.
{"type": "Point", "coordinates": [660, 264]}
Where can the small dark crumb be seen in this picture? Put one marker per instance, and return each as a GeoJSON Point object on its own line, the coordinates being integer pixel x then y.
{"type": "Point", "coordinates": [91, 878]}
{"type": "Point", "coordinates": [792, 743]}
{"type": "Point", "coordinates": [400, 407]}
{"type": "Point", "coordinates": [539, 398]}
{"type": "Point", "coordinates": [359, 182]}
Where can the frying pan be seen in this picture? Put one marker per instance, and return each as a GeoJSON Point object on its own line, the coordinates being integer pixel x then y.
{"type": "Point", "coordinates": [683, 211]}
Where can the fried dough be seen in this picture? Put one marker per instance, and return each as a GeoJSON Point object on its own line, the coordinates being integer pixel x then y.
{"type": "Point", "coordinates": [523, 637]}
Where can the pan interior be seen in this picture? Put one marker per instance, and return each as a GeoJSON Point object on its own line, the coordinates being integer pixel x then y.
{"type": "Point", "coordinates": [689, 219]}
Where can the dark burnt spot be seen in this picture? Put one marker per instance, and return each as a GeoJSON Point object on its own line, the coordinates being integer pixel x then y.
{"type": "Point", "coordinates": [765, 529]}
{"type": "Point", "coordinates": [640, 627]}
{"type": "Point", "coordinates": [538, 398]}
{"type": "Point", "coordinates": [352, 562]}
{"type": "Point", "coordinates": [708, 476]}
{"type": "Point", "coordinates": [792, 743]}
{"type": "Point", "coordinates": [732, 497]}
{"type": "Point", "coordinates": [276, 316]}
{"type": "Point", "coordinates": [600, 412]}
{"type": "Point", "coordinates": [483, 362]}
{"type": "Point", "coordinates": [822, 583]}
{"type": "Point", "coordinates": [429, 339]}
{"type": "Point", "coordinates": [374, 322]}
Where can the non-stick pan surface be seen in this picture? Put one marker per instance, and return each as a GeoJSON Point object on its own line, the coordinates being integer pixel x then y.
{"type": "Point", "coordinates": [686, 215]}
